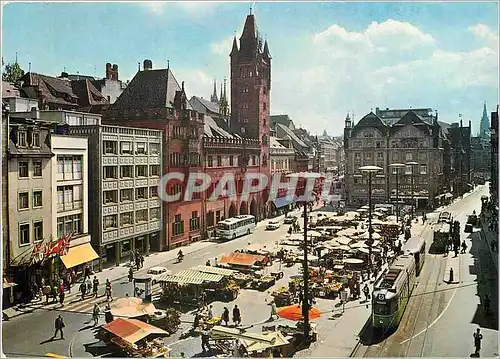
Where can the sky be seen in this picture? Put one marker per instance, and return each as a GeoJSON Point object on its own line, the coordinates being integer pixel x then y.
{"type": "Point", "coordinates": [328, 58]}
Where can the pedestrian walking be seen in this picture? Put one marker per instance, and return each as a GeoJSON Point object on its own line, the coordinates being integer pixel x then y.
{"type": "Point", "coordinates": [95, 314]}
{"type": "Point", "coordinates": [83, 289]}
{"type": "Point", "coordinates": [141, 260]}
{"type": "Point", "coordinates": [62, 294]}
{"type": "Point", "coordinates": [477, 341]}
{"type": "Point", "coordinates": [207, 263]}
{"type": "Point", "coordinates": [274, 311]}
{"type": "Point", "coordinates": [109, 291]}
{"type": "Point", "coordinates": [69, 281]}
{"type": "Point", "coordinates": [210, 313]}
{"type": "Point", "coordinates": [55, 292]}
{"type": "Point", "coordinates": [95, 286]}
{"type": "Point", "coordinates": [86, 272]}
{"type": "Point", "coordinates": [46, 291]}
{"type": "Point", "coordinates": [89, 285]}
{"type": "Point", "coordinates": [225, 315]}
{"type": "Point", "coordinates": [464, 247]}
{"type": "Point", "coordinates": [59, 325]}
{"type": "Point", "coordinates": [300, 296]}
{"type": "Point", "coordinates": [366, 292]}
{"type": "Point", "coordinates": [205, 337]}
{"type": "Point", "coordinates": [236, 315]}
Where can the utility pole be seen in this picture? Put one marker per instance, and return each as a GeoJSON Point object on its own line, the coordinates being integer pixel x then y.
{"type": "Point", "coordinates": [305, 301]}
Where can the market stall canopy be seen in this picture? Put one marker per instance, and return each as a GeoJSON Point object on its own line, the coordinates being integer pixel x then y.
{"type": "Point", "coordinates": [312, 257]}
{"type": "Point", "coordinates": [215, 270]}
{"type": "Point", "coordinates": [365, 207]}
{"type": "Point", "coordinates": [294, 312]}
{"type": "Point", "coordinates": [78, 255]}
{"type": "Point", "coordinates": [351, 214]}
{"type": "Point", "coordinates": [131, 307]}
{"type": "Point", "coordinates": [251, 341]}
{"type": "Point", "coordinates": [343, 240]}
{"type": "Point", "coordinates": [257, 248]}
{"type": "Point", "coordinates": [347, 232]}
{"type": "Point", "coordinates": [362, 210]}
{"type": "Point", "coordinates": [329, 228]}
{"type": "Point", "coordinates": [259, 344]}
{"type": "Point", "coordinates": [314, 234]}
{"type": "Point", "coordinates": [295, 237]}
{"type": "Point", "coordinates": [378, 214]}
{"type": "Point", "coordinates": [169, 278]}
{"type": "Point", "coordinates": [242, 259]}
{"type": "Point", "coordinates": [359, 244]}
{"type": "Point", "coordinates": [194, 274]}
{"type": "Point", "coordinates": [132, 330]}
{"type": "Point", "coordinates": [353, 261]}
{"type": "Point", "coordinates": [342, 248]}
{"type": "Point", "coordinates": [366, 235]}
{"type": "Point", "coordinates": [364, 250]}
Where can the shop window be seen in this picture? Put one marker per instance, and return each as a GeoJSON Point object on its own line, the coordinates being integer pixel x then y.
{"type": "Point", "coordinates": [231, 161]}
{"type": "Point", "coordinates": [210, 161]}
{"type": "Point", "coordinates": [219, 161]}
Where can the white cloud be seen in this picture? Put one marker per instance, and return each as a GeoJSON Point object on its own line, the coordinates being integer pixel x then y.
{"type": "Point", "coordinates": [389, 64]}
{"type": "Point", "coordinates": [191, 8]}
{"type": "Point", "coordinates": [222, 47]}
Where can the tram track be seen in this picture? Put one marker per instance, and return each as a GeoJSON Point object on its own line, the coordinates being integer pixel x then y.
{"type": "Point", "coordinates": [422, 298]}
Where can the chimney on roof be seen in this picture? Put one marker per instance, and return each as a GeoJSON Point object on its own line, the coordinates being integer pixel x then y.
{"type": "Point", "coordinates": [111, 72]}
{"type": "Point", "coordinates": [148, 65]}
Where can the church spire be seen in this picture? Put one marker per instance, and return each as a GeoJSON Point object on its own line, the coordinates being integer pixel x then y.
{"type": "Point", "coordinates": [225, 97]}
{"type": "Point", "coordinates": [485, 123]}
{"type": "Point", "coordinates": [234, 50]}
{"type": "Point", "coordinates": [214, 98]}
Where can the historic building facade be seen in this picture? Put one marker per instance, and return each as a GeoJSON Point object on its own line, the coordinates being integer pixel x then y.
{"type": "Point", "coordinates": [396, 136]}
{"type": "Point", "coordinates": [494, 156]}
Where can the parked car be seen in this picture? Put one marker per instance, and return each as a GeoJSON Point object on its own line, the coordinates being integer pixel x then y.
{"type": "Point", "coordinates": [290, 220]}
{"type": "Point", "coordinates": [155, 272]}
{"type": "Point", "coordinates": [445, 217]}
{"type": "Point", "coordinates": [272, 225]}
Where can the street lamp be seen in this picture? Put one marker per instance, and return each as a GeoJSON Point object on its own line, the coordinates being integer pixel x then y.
{"type": "Point", "coordinates": [412, 187]}
{"type": "Point", "coordinates": [397, 166]}
{"type": "Point", "coordinates": [370, 170]}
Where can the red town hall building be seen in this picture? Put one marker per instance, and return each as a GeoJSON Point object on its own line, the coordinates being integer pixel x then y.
{"type": "Point", "coordinates": [196, 142]}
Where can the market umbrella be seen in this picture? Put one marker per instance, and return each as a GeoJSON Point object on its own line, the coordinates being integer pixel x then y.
{"type": "Point", "coordinates": [359, 245]}
{"type": "Point", "coordinates": [294, 312]}
{"type": "Point", "coordinates": [363, 250]}
{"type": "Point", "coordinates": [353, 261]}
{"type": "Point", "coordinates": [374, 235]}
{"type": "Point", "coordinates": [314, 234]}
{"type": "Point", "coordinates": [343, 248]}
{"type": "Point", "coordinates": [365, 207]}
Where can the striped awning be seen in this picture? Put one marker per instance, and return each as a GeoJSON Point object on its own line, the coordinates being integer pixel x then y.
{"type": "Point", "coordinates": [194, 274]}
{"type": "Point", "coordinates": [215, 270]}
{"type": "Point", "coordinates": [168, 278]}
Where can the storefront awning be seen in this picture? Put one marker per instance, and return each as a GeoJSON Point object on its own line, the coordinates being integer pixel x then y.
{"type": "Point", "coordinates": [78, 255]}
{"type": "Point", "coordinates": [283, 201]}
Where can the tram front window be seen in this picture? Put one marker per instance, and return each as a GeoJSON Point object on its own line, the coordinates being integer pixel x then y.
{"type": "Point", "coordinates": [381, 308]}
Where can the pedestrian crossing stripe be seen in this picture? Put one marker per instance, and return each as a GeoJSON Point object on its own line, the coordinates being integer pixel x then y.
{"type": "Point", "coordinates": [87, 305]}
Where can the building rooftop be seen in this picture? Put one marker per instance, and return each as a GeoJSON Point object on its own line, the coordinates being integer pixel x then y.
{"type": "Point", "coordinates": [150, 89]}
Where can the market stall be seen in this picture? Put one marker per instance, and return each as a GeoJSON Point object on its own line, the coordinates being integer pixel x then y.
{"type": "Point", "coordinates": [135, 338]}
{"type": "Point", "coordinates": [244, 262]}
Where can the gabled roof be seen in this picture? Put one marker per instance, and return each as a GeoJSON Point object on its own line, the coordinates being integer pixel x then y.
{"type": "Point", "coordinates": [208, 105]}
{"type": "Point", "coordinates": [87, 93]}
{"type": "Point", "coordinates": [215, 127]}
{"type": "Point", "coordinates": [52, 89]}
{"type": "Point", "coordinates": [149, 89]}
{"type": "Point", "coordinates": [295, 140]}
{"type": "Point", "coordinates": [9, 90]}
{"type": "Point", "coordinates": [413, 119]}
{"type": "Point", "coordinates": [370, 120]}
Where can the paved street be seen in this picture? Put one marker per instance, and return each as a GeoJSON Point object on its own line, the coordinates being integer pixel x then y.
{"type": "Point", "coordinates": [76, 311]}
{"type": "Point", "coordinates": [437, 307]}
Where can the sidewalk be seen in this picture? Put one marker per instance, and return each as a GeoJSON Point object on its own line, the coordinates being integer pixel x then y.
{"type": "Point", "coordinates": [490, 236]}
{"type": "Point", "coordinates": [116, 273]}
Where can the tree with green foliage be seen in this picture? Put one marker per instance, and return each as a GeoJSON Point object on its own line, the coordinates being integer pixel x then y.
{"type": "Point", "coordinates": [12, 72]}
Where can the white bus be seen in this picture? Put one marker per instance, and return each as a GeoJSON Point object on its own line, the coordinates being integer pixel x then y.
{"type": "Point", "coordinates": [231, 228]}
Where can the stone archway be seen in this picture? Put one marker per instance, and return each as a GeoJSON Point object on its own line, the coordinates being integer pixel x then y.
{"type": "Point", "coordinates": [232, 211]}
{"type": "Point", "coordinates": [253, 207]}
{"type": "Point", "coordinates": [244, 208]}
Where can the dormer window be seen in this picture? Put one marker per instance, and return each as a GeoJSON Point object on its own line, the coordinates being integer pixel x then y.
{"type": "Point", "coordinates": [22, 138]}
{"type": "Point", "coordinates": [36, 139]}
